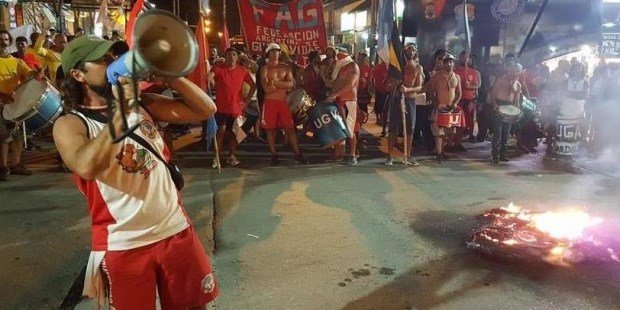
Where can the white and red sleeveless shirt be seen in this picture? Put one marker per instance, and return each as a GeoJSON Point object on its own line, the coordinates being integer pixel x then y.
{"type": "Point", "coordinates": [133, 202]}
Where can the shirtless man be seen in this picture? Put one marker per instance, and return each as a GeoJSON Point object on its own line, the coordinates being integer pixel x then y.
{"type": "Point", "coordinates": [411, 86]}
{"type": "Point", "coordinates": [344, 91]}
{"type": "Point", "coordinates": [505, 91]}
{"type": "Point", "coordinates": [277, 80]}
{"type": "Point", "coordinates": [445, 94]}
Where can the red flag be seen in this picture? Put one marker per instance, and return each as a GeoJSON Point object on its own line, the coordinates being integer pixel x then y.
{"type": "Point", "coordinates": [225, 39]}
{"type": "Point", "coordinates": [200, 75]}
{"type": "Point", "coordinates": [138, 8]}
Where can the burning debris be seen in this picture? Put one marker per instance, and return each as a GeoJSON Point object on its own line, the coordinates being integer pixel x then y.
{"type": "Point", "coordinates": [560, 238]}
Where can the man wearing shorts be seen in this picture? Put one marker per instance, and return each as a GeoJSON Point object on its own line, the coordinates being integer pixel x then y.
{"type": "Point", "coordinates": [344, 91]}
{"type": "Point", "coordinates": [229, 78]}
{"type": "Point", "coordinates": [445, 93]}
{"type": "Point", "coordinates": [13, 71]}
{"type": "Point", "coordinates": [277, 80]}
{"type": "Point", "coordinates": [505, 91]}
{"type": "Point", "coordinates": [412, 84]}
{"type": "Point", "coordinates": [143, 243]}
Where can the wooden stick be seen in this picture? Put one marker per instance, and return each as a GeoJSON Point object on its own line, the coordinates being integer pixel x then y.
{"type": "Point", "coordinates": [404, 118]}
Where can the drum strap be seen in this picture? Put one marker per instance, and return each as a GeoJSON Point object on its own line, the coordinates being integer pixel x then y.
{"type": "Point", "coordinates": [104, 120]}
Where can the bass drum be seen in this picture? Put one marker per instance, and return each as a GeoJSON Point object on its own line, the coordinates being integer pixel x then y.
{"type": "Point", "coordinates": [328, 126]}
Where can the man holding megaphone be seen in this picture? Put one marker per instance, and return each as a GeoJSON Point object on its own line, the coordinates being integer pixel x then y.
{"type": "Point", "coordinates": [142, 239]}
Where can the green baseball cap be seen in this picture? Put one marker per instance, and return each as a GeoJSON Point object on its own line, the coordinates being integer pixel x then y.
{"type": "Point", "coordinates": [84, 48]}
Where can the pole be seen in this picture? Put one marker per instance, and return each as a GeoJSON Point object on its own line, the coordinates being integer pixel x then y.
{"type": "Point", "coordinates": [531, 32]}
{"type": "Point", "coordinates": [402, 96]}
{"type": "Point", "coordinates": [204, 50]}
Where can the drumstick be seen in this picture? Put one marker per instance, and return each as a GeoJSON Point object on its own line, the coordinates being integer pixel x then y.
{"type": "Point", "coordinates": [25, 137]}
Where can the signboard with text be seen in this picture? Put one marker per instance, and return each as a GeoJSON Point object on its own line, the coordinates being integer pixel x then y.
{"type": "Point", "coordinates": [298, 24]}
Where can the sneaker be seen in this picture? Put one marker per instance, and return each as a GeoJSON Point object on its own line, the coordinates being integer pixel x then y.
{"type": "Point", "coordinates": [20, 170]}
{"type": "Point", "coordinates": [215, 164]}
{"type": "Point", "coordinates": [302, 160]}
{"type": "Point", "coordinates": [232, 160]}
{"type": "Point", "coordinates": [504, 159]}
{"type": "Point", "coordinates": [4, 173]}
{"type": "Point", "coordinates": [495, 160]}
{"type": "Point", "coordinates": [389, 162]}
{"type": "Point", "coordinates": [352, 161]}
{"type": "Point", "coordinates": [274, 160]}
{"type": "Point", "coordinates": [439, 158]}
{"type": "Point", "coordinates": [413, 162]}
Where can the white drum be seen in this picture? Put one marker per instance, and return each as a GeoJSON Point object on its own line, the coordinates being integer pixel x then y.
{"type": "Point", "coordinates": [36, 103]}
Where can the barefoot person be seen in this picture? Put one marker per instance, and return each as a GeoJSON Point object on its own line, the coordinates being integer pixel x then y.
{"type": "Point", "coordinates": [412, 84]}
{"type": "Point", "coordinates": [445, 93]}
{"type": "Point", "coordinates": [277, 80]}
{"type": "Point", "coordinates": [344, 91]}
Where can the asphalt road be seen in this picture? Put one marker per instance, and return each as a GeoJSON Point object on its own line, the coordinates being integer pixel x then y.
{"type": "Point", "coordinates": [329, 236]}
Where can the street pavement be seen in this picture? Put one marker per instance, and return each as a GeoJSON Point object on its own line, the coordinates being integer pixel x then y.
{"type": "Point", "coordinates": [330, 236]}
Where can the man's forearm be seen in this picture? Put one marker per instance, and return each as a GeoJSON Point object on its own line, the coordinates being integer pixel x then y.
{"type": "Point", "coordinates": [286, 85]}
{"type": "Point", "coordinates": [193, 97]}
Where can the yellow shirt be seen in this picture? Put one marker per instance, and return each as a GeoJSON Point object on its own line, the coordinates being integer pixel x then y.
{"type": "Point", "coordinates": [13, 71]}
{"type": "Point", "coordinates": [39, 51]}
{"type": "Point", "coordinates": [48, 59]}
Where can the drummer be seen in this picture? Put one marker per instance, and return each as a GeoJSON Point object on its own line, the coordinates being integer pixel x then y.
{"type": "Point", "coordinates": [444, 90]}
{"type": "Point", "coordinates": [13, 71]}
{"type": "Point", "coordinates": [506, 90]}
{"type": "Point", "coordinates": [229, 78]}
{"type": "Point", "coordinates": [345, 78]}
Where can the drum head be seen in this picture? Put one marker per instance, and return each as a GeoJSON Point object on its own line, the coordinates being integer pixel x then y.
{"type": "Point", "coordinates": [25, 98]}
{"type": "Point", "coordinates": [510, 110]}
{"type": "Point", "coordinates": [295, 97]}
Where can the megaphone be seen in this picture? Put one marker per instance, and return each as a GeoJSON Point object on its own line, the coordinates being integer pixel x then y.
{"type": "Point", "coordinates": [162, 44]}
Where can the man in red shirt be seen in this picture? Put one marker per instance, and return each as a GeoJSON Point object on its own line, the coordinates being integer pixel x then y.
{"type": "Point", "coordinates": [311, 80]}
{"type": "Point", "coordinates": [229, 79]}
{"type": "Point", "coordinates": [470, 79]}
{"type": "Point", "coordinates": [363, 95]}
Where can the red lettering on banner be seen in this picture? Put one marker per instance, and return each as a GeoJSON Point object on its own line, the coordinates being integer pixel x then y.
{"type": "Point", "coordinates": [298, 24]}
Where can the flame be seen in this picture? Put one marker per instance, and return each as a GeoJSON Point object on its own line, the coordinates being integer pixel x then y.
{"type": "Point", "coordinates": [565, 224]}
{"type": "Point", "coordinates": [568, 225]}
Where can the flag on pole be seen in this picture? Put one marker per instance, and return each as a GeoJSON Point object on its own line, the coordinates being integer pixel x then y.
{"type": "Point", "coordinates": [200, 75]}
{"type": "Point", "coordinates": [140, 7]}
{"type": "Point", "coordinates": [395, 54]}
{"type": "Point", "coordinates": [385, 21]}
{"type": "Point", "coordinates": [225, 38]}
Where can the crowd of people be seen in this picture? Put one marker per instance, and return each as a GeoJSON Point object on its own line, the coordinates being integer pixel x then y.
{"type": "Point", "coordinates": [480, 102]}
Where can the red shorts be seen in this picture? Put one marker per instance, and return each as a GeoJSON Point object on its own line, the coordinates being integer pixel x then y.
{"type": "Point", "coordinates": [177, 267]}
{"type": "Point", "coordinates": [276, 114]}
